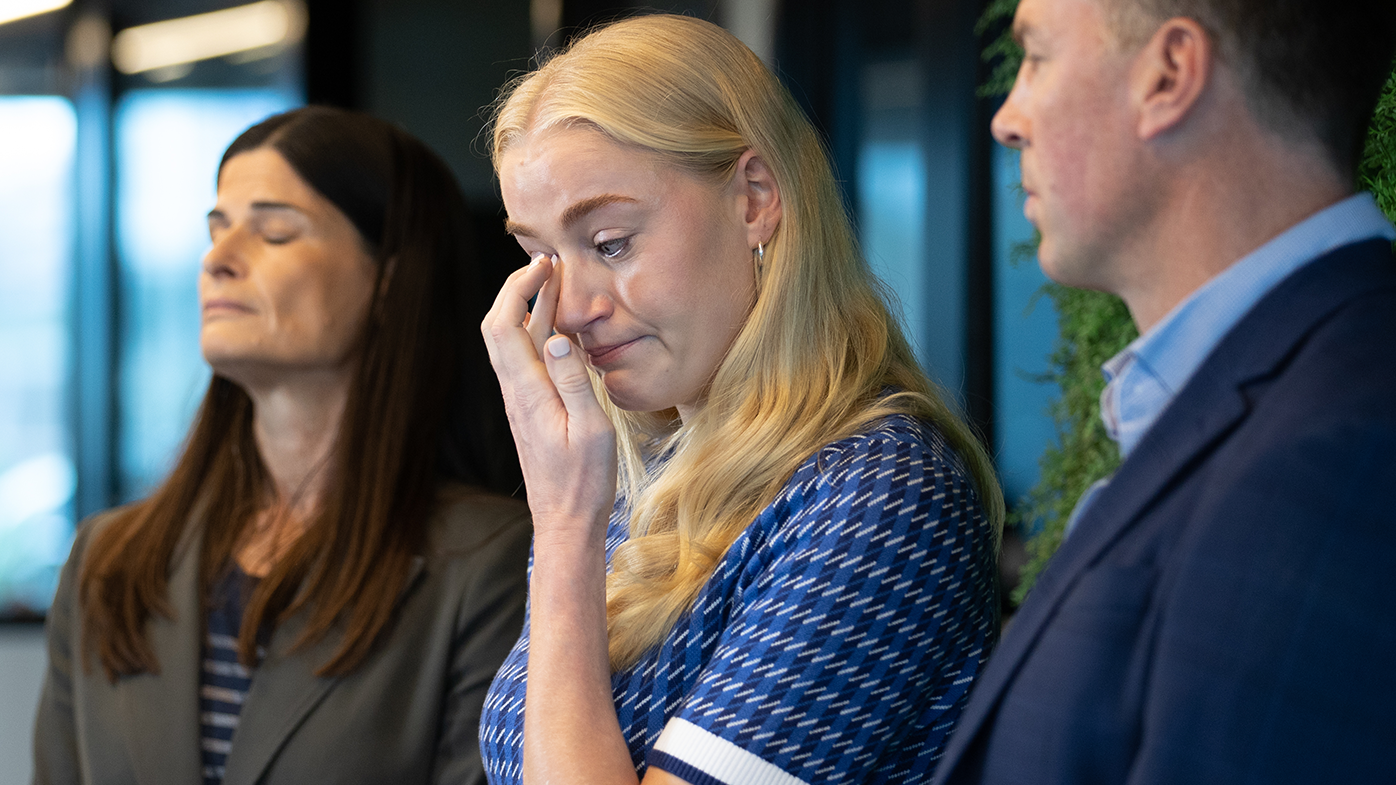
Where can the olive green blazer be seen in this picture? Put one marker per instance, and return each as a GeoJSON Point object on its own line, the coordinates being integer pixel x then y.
{"type": "Point", "coordinates": [408, 714]}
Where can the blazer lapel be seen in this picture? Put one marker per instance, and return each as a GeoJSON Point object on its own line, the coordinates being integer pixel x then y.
{"type": "Point", "coordinates": [1211, 405]}
{"type": "Point", "coordinates": [161, 711]}
{"type": "Point", "coordinates": [1184, 432]}
{"type": "Point", "coordinates": [285, 691]}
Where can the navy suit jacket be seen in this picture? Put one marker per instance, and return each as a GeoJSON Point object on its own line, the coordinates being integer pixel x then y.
{"type": "Point", "coordinates": [1225, 611]}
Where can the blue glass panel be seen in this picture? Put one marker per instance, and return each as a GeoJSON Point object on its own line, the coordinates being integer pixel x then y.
{"type": "Point", "coordinates": [912, 208]}
{"type": "Point", "coordinates": [168, 144]}
{"type": "Point", "coordinates": [892, 207]}
{"type": "Point", "coordinates": [1025, 329]}
{"type": "Point", "coordinates": [37, 479]}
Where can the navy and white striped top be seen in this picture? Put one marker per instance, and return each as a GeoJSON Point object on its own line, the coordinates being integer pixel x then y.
{"type": "Point", "coordinates": [835, 642]}
{"type": "Point", "coordinates": [223, 681]}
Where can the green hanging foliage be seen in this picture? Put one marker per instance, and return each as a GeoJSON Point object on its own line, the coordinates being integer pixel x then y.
{"type": "Point", "coordinates": [1378, 170]}
{"type": "Point", "coordinates": [1093, 327]}
{"type": "Point", "coordinates": [1002, 52]}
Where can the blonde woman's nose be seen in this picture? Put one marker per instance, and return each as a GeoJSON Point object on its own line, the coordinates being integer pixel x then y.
{"type": "Point", "coordinates": [584, 297]}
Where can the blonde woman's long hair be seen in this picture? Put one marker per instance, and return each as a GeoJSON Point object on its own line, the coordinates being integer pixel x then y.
{"type": "Point", "coordinates": [820, 357]}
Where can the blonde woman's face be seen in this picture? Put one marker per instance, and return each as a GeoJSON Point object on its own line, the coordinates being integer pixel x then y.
{"type": "Point", "coordinates": [285, 287]}
{"type": "Point", "coordinates": [657, 273]}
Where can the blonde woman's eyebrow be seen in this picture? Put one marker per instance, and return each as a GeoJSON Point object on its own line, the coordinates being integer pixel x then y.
{"type": "Point", "coordinates": [573, 213]}
{"type": "Point", "coordinates": [517, 230]}
{"type": "Point", "coordinates": [585, 207]}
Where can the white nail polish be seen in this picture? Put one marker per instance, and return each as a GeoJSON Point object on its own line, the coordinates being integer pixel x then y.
{"type": "Point", "coordinates": [537, 257]}
{"type": "Point", "coordinates": [559, 347]}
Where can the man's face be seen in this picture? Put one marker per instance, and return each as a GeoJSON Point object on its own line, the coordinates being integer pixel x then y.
{"type": "Point", "coordinates": [1070, 116]}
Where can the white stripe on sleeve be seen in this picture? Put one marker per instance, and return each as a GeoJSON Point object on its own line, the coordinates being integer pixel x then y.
{"type": "Point", "coordinates": [718, 757]}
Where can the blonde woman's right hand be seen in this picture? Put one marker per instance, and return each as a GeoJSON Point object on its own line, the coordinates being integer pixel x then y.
{"type": "Point", "coordinates": [566, 443]}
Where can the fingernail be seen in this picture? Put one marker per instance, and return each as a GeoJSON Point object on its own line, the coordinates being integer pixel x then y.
{"type": "Point", "coordinates": [559, 346]}
{"type": "Point", "coordinates": [537, 257]}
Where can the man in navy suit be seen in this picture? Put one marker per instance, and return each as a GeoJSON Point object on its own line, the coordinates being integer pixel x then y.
{"type": "Point", "coordinates": [1223, 609]}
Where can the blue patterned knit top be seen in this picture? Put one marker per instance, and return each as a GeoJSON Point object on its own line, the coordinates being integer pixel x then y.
{"type": "Point", "coordinates": [835, 642]}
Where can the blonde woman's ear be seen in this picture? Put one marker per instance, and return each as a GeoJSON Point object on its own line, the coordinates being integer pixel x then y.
{"type": "Point", "coordinates": [759, 188]}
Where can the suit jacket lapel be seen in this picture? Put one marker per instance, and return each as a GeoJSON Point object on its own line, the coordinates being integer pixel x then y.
{"type": "Point", "coordinates": [160, 712]}
{"type": "Point", "coordinates": [1205, 411]}
{"type": "Point", "coordinates": [285, 691]}
{"type": "Point", "coordinates": [1183, 433]}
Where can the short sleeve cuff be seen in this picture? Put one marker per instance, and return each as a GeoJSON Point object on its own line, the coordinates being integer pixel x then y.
{"type": "Point", "coordinates": [692, 753]}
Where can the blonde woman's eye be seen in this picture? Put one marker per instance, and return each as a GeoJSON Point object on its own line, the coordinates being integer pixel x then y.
{"type": "Point", "coordinates": [611, 249]}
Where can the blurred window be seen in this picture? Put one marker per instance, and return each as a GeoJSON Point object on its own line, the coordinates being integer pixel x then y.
{"type": "Point", "coordinates": [37, 478]}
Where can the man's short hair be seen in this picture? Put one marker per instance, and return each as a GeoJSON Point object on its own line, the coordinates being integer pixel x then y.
{"type": "Point", "coordinates": [1315, 67]}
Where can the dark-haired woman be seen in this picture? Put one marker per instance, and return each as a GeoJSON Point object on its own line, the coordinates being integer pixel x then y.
{"type": "Point", "coordinates": [322, 589]}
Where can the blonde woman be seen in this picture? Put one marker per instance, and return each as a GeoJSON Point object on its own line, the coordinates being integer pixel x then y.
{"type": "Point", "coordinates": [764, 549]}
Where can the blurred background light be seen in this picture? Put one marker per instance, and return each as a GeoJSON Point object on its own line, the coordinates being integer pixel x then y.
{"type": "Point", "coordinates": [259, 28]}
{"type": "Point", "coordinates": [10, 10]}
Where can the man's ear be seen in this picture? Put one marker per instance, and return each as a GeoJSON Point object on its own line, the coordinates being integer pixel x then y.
{"type": "Point", "coordinates": [1170, 75]}
{"type": "Point", "coordinates": [757, 185]}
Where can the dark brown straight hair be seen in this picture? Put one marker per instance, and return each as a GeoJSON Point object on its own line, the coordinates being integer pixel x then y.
{"type": "Point", "coordinates": [422, 408]}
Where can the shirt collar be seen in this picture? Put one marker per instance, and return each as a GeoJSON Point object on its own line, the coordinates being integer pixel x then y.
{"type": "Point", "coordinates": [1145, 377]}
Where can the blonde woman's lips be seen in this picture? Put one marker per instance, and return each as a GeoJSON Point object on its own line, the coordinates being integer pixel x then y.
{"type": "Point", "coordinates": [609, 354]}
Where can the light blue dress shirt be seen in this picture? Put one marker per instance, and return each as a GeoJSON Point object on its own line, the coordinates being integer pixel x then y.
{"type": "Point", "coordinates": [1144, 378]}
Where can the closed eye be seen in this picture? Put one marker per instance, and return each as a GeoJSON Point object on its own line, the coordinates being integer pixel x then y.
{"type": "Point", "coordinates": [278, 230]}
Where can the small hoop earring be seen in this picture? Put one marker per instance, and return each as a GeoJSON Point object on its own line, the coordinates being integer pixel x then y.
{"type": "Point", "coordinates": [760, 257]}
